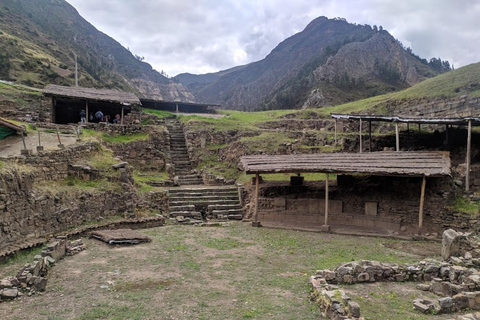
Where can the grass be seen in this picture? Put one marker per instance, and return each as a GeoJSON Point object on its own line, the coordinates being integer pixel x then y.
{"type": "Point", "coordinates": [160, 113]}
{"type": "Point", "coordinates": [142, 177]}
{"type": "Point", "coordinates": [266, 141]}
{"type": "Point", "coordinates": [124, 138]}
{"type": "Point", "coordinates": [232, 272]}
{"type": "Point", "coordinates": [465, 80]}
{"type": "Point", "coordinates": [464, 205]}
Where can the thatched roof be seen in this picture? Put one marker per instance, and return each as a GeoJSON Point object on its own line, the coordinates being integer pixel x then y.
{"type": "Point", "coordinates": [431, 164]}
{"type": "Point", "coordinates": [107, 95]}
{"type": "Point", "coordinates": [5, 123]}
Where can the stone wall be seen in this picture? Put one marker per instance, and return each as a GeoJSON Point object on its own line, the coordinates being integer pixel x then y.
{"type": "Point", "coordinates": [390, 203]}
{"type": "Point", "coordinates": [455, 107]}
{"type": "Point", "coordinates": [54, 164]}
{"type": "Point", "coordinates": [27, 213]}
{"type": "Point", "coordinates": [33, 108]}
{"type": "Point", "coordinates": [148, 154]}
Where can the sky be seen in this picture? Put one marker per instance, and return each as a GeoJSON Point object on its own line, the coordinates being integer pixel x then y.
{"type": "Point", "coordinates": [202, 36]}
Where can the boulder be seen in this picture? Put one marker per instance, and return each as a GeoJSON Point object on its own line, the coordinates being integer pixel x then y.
{"type": "Point", "coordinates": [450, 243]}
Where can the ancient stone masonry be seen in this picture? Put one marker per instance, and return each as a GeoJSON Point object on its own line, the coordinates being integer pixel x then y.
{"type": "Point", "coordinates": [149, 154]}
{"type": "Point", "coordinates": [32, 278]}
{"type": "Point", "coordinates": [54, 165]}
{"type": "Point", "coordinates": [456, 280]}
{"type": "Point", "coordinates": [455, 107]}
{"type": "Point", "coordinates": [36, 109]}
{"type": "Point", "coordinates": [28, 214]}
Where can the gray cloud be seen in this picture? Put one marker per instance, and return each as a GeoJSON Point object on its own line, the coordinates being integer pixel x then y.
{"type": "Point", "coordinates": [200, 36]}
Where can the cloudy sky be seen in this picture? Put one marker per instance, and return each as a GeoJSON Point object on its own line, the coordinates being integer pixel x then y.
{"type": "Point", "coordinates": [200, 36]}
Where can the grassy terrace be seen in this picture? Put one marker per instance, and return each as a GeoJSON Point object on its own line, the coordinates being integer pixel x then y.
{"type": "Point", "coordinates": [233, 272]}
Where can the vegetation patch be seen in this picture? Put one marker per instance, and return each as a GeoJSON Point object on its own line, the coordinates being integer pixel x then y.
{"type": "Point", "coordinates": [124, 138]}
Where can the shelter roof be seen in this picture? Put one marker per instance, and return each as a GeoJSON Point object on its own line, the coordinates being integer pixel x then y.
{"type": "Point", "coordinates": [371, 163]}
{"type": "Point", "coordinates": [426, 120]}
{"type": "Point", "coordinates": [108, 95]}
{"type": "Point", "coordinates": [5, 123]}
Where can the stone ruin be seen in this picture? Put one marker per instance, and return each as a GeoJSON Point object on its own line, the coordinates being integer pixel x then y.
{"type": "Point", "coordinates": [456, 280]}
{"type": "Point", "coordinates": [32, 278]}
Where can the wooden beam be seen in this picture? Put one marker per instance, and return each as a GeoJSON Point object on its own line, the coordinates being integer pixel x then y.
{"type": "Point", "coordinates": [335, 132]}
{"type": "Point", "coordinates": [121, 119]}
{"type": "Point", "coordinates": [408, 135]}
{"type": "Point", "coordinates": [419, 127]}
{"type": "Point", "coordinates": [54, 109]}
{"type": "Point", "coordinates": [326, 200]}
{"type": "Point", "coordinates": [422, 202]}
{"type": "Point", "coordinates": [176, 107]}
{"type": "Point", "coordinates": [446, 134]}
{"type": "Point", "coordinates": [469, 156]}
{"type": "Point", "coordinates": [360, 134]}
{"type": "Point", "coordinates": [397, 138]}
{"type": "Point", "coordinates": [255, 218]}
{"type": "Point", "coordinates": [370, 135]}
{"type": "Point", "coordinates": [86, 111]}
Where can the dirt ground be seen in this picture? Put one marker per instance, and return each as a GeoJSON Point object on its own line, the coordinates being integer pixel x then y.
{"type": "Point", "coordinates": [12, 145]}
{"type": "Point", "coordinates": [231, 272]}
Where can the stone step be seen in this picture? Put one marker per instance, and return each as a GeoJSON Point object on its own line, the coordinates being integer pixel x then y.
{"type": "Point", "coordinates": [227, 212]}
{"type": "Point", "coordinates": [189, 214]}
{"type": "Point", "coordinates": [203, 198]}
{"type": "Point", "coordinates": [216, 207]}
{"type": "Point", "coordinates": [190, 182]}
{"type": "Point", "coordinates": [204, 189]}
{"type": "Point", "coordinates": [202, 202]}
{"type": "Point", "coordinates": [224, 215]}
{"type": "Point", "coordinates": [187, 207]}
{"type": "Point", "coordinates": [219, 193]}
{"type": "Point", "coordinates": [202, 195]}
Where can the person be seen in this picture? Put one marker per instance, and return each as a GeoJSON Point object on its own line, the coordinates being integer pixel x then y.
{"type": "Point", "coordinates": [99, 115]}
{"type": "Point", "coordinates": [117, 118]}
{"type": "Point", "coordinates": [83, 117]}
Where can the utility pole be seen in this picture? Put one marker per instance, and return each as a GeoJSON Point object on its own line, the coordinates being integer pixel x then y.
{"type": "Point", "coordinates": [76, 64]}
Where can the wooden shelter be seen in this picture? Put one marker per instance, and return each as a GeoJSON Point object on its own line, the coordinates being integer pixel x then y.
{"type": "Point", "coordinates": [68, 102]}
{"type": "Point", "coordinates": [179, 106]}
{"type": "Point", "coordinates": [7, 128]}
{"type": "Point", "coordinates": [407, 164]}
{"type": "Point", "coordinates": [466, 121]}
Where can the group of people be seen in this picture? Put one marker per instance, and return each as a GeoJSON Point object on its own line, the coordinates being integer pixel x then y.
{"type": "Point", "coordinates": [98, 117]}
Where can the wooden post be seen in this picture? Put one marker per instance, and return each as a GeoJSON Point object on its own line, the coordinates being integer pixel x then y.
{"type": "Point", "coordinates": [176, 107]}
{"type": "Point", "coordinates": [370, 135]}
{"type": "Point", "coordinates": [140, 116]}
{"type": "Point", "coordinates": [54, 109]}
{"type": "Point", "coordinates": [335, 132]}
{"type": "Point", "coordinates": [408, 135]}
{"type": "Point", "coordinates": [446, 134]}
{"type": "Point", "coordinates": [121, 119]}
{"type": "Point", "coordinates": [255, 222]}
{"type": "Point", "coordinates": [326, 199]}
{"type": "Point", "coordinates": [422, 201]}
{"type": "Point", "coordinates": [86, 111]}
{"type": "Point", "coordinates": [397, 138]}
{"type": "Point", "coordinates": [360, 133]}
{"type": "Point", "coordinates": [419, 127]}
{"type": "Point", "coordinates": [469, 155]}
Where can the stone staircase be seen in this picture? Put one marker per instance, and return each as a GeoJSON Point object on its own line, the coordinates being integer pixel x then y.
{"type": "Point", "coordinates": [179, 155]}
{"type": "Point", "coordinates": [219, 202]}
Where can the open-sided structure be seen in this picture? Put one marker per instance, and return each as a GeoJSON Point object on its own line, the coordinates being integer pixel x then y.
{"type": "Point", "coordinates": [403, 164]}
{"type": "Point", "coordinates": [68, 102]}
{"type": "Point", "coordinates": [467, 121]}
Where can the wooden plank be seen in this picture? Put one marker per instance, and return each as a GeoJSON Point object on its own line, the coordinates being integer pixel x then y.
{"type": "Point", "coordinates": [422, 202]}
{"type": "Point", "coordinates": [469, 156]}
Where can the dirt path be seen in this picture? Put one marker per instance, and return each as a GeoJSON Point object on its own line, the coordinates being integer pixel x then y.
{"type": "Point", "coordinates": [12, 145]}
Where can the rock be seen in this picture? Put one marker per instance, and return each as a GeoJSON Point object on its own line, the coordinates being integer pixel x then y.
{"type": "Point", "coordinates": [423, 305]}
{"type": "Point", "coordinates": [5, 283]}
{"type": "Point", "coordinates": [180, 219]}
{"type": "Point", "coordinates": [468, 255]}
{"type": "Point", "coordinates": [423, 287]}
{"type": "Point", "coordinates": [450, 243]}
{"type": "Point", "coordinates": [120, 165]}
{"type": "Point", "coordinates": [39, 283]}
{"type": "Point", "coordinates": [446, 305]}
{"type": "Point", "coordinates": [10, 293]}
{"type": "Point", "coordinates": [362, 277]}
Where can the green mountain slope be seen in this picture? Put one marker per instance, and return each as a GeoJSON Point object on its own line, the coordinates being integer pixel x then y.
{"type": "Point", "coordinates": [39, 40]}
{"type": "Point", "coordinates": [461, 85]}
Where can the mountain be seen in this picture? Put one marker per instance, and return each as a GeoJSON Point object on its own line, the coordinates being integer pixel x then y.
{"type": "Point", "coordinates": [39, 40]}
{"type": "Point", "coordinates": [330, 62]}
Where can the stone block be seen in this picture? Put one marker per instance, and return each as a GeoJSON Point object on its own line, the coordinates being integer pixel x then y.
{"type": "Point", "coordinates": [371, 209]}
